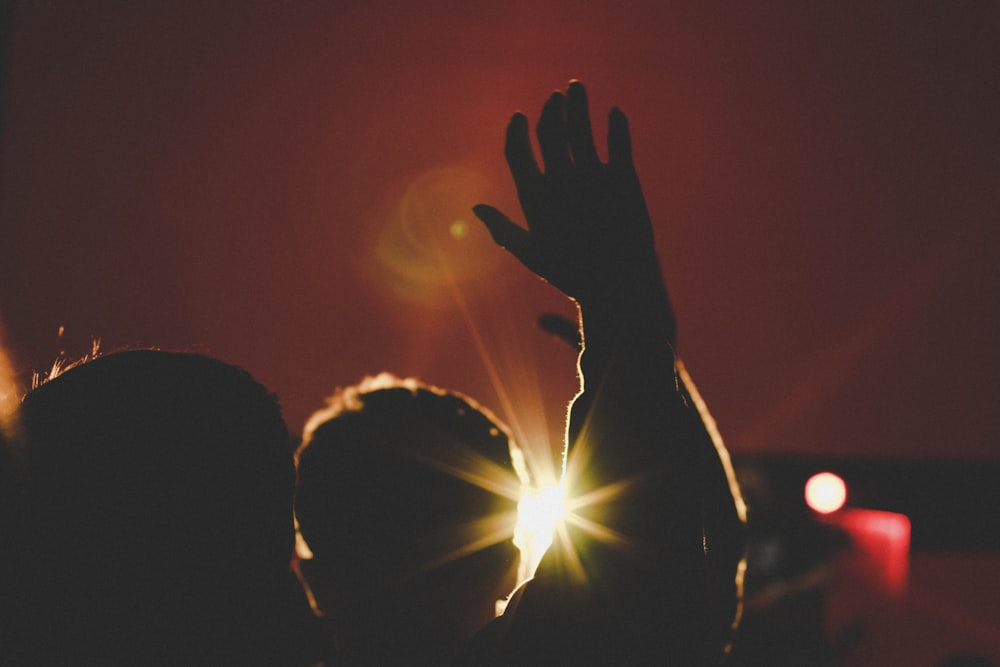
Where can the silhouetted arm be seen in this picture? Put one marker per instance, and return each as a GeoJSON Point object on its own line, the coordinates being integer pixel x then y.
{"type": "Point", "coordinates": [634, 582]}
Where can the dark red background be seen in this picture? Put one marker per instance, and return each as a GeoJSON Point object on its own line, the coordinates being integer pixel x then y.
{"type": "Point", "coordinates": [262, 181]}
{"type": "Point", "coordinates": [273, 183]}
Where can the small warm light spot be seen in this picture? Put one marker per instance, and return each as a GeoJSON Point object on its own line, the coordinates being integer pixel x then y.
{"type": "Point", "coordinates": [302, 550]}
{"type": "Point", "coordinates": [538, 513]}
{"type": "Point", "coordinates": [825, 492]}
{"type": "Point", "coordinates": [459, 229]}
{"type": "Point", "coordinates": [8, 391]}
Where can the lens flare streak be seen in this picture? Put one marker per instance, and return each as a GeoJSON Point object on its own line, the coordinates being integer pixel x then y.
{"type": "Point", "coordinates": [485, 532]}
{"type": "Point", "coordinates": [604, 494]}
{"type": "Point", "coordinates": [480, 472]}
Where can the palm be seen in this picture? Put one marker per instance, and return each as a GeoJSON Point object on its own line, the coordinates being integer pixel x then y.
{"type": "Point", "coordinates": [587, 221]}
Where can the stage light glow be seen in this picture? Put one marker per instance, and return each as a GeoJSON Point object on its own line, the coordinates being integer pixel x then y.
{"type": "Point", "coordinates": [472, 537]}
{"type": "Point", "coordinates": [8, 386]}
{"type": "Point", "coordinates": [825, 492]}
{"type": "Point", "coordinates": [539, 512]}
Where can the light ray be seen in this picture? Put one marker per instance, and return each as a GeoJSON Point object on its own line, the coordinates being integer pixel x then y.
{"type": "Point", "coordinates": [477, 470]}
{"type": "Point", "coordinates": [599, 531]}
{"type": "Point", "coordinates": [569, 558]}
{"type": "Point", "coordinates": [483, 532]}
{"type": "Point", "coordinates": [603, 494]}
{"type": "Point", "coordinates": [540, 497]}
{"type": "Point", "coordinates": [538, 469]}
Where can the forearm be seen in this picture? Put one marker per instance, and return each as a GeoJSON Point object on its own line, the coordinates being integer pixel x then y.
{"type": "Point", "coordinates": [640, 426]}
{"type": "Point", "coordinates": [630, 375]}
{"type": "Point", "coordinates": [630, 427]}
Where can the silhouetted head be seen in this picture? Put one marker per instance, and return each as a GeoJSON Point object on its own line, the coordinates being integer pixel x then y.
{"type": "Point", "coordinates": [407, 498]}
{"type": "Point", "coordinates": [159, 490]}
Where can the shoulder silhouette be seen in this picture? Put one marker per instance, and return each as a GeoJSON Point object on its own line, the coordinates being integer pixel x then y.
{"type": "Point", "coordinates": [158, 488]}
{"type": "Point", "coordinates": [407, 498]}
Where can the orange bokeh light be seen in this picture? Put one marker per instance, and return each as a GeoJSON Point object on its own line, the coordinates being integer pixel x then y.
{"type": "Point", "coordinates": [825, 492]}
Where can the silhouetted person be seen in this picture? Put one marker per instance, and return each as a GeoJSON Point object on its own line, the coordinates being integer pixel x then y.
{"type": "Point", "coordinates": [10, 503]}
{"type": "Point", "coordinates": [407, 498]}
{"type": "Point", "coordinates": [648, 570]}
{"type": "Point", "coordinates": [158, 498]}
{"type": "Point", "coordinates": [11, 529]}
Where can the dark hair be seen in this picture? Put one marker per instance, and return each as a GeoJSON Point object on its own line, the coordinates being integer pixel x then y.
{"type": "Point", "coordinates": [390, 460]}
{"type": "Point", "coordinates": [159, 487]}
{"type": "Point", "coordinates": [407, 496]}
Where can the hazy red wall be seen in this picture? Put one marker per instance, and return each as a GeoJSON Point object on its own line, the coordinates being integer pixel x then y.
{"type": "Point", "coordinates": [259, 181]}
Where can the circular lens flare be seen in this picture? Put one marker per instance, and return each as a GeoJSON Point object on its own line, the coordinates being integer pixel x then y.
{"type": "Point", "coordinates": [428, 243]}
{"type": "Point", "coordinates": [459, 229]}
{"type": "Point", "coordinates": [825, 492]}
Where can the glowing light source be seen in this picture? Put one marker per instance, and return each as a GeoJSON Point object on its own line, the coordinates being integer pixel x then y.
{"type": "Point", "coordinates": [538, 514]}
{"type": "Point", "coordinates": [825, 492]}
{"type": "Point", "coordinates": [8, 389]}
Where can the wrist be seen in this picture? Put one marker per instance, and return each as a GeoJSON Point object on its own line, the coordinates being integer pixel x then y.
{"type": "Point", "coordinates": [635, 303]}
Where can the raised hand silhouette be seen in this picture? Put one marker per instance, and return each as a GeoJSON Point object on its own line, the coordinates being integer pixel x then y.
{"type": "Point", "coordinates": [588, 230]}
{"type": "Point", "coordinates": [647, 567]}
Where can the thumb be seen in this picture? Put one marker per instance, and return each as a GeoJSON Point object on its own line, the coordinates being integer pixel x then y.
{"type": "Point", "coordinates": [505, 233]}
